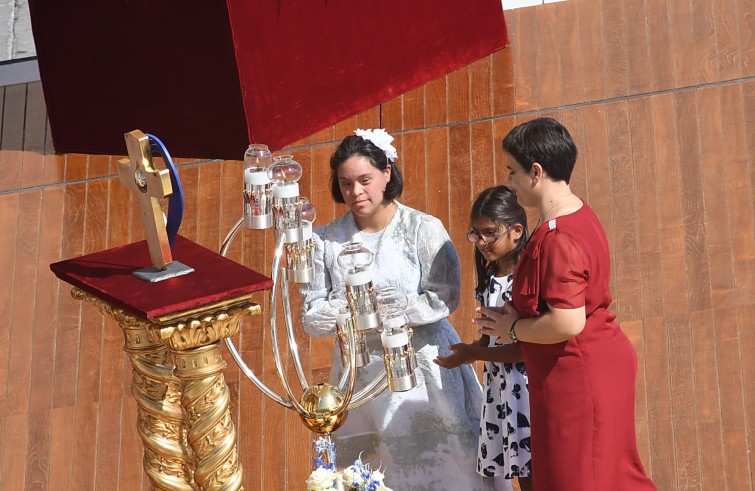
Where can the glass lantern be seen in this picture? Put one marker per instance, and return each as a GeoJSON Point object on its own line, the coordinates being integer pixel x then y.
{"type": "Point", "coordinates": [300, 265]}
{"type": "Point", "coordinates": [345, 328]}
{"type": "Point", "coordinates": [355, 261]}
{"type": "Point", "coordinates": [285, 173]}
{"type": "Point", "coordinates": [396, 336]}
{"type": "Point", "coordinates": [257, 187]}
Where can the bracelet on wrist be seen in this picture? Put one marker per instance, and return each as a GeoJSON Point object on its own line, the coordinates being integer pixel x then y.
{"type": "Point", "coordinates": [512, 332]}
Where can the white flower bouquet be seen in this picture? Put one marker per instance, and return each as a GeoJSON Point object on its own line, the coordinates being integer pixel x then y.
{"type": "Point", "coordinates": [356, 477]}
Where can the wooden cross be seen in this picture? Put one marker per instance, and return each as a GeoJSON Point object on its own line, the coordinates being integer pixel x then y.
{"type": "Point", "coordinates": [150, 185]}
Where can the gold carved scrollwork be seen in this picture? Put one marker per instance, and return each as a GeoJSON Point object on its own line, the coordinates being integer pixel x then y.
{"type": "Point", "coordinates": [183, 334]}
{"type": "Point", "coordinates": [166, 473]}
{"type": "Point", "coordinates": [168, 460]}
{"type": "Point", "coordinates": [183, 402]}
{"type": "Point", "coordinates": [211, 432]}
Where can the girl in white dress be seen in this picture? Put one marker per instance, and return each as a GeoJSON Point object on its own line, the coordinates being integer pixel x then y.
{"type": "Point", "coordinates": [499, 232]}
{"type": "Point", "coordinates": [424, 438]}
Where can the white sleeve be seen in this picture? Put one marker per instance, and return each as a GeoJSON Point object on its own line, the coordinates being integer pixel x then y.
{"type": "Point", "coordinates": [440, 282]}
{"type": "Point", "coordinates": [318, 317]}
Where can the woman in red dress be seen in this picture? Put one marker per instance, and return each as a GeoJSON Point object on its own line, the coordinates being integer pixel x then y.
{"type": "Point", "coordinates": [581, 366]}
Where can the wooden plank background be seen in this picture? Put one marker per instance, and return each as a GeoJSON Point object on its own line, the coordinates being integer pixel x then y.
{"type": "Point", "coordinates": [660, 98]}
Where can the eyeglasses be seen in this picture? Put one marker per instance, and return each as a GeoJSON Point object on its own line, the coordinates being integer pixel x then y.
{"type": "Point", "coordinates": [486, 237]}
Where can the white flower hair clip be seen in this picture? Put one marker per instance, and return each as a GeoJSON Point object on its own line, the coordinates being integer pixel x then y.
{"type": "Point", "coordinates": [381, 139]}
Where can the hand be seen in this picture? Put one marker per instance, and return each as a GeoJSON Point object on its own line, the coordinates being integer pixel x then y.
{"type": "Point", "coordinates": [460, 354]}
{"type": "Point", "coordinates": [496, 321]}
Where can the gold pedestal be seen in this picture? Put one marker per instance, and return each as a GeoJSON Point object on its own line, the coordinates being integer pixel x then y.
{"type": "Point", "coordinates": [183, 402]}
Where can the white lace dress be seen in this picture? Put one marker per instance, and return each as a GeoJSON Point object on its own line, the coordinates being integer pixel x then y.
{"type": "Point", "coordinates": [424, 438]}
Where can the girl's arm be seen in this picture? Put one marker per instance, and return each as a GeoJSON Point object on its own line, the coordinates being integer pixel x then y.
{"type": "Point", "coordinates": [554, 326]}
{"type": "Point", "coordinates": [467, 353]}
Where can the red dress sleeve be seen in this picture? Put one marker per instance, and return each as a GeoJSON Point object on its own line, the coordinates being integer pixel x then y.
{"type": "Point", "coordinates": [564, 271]}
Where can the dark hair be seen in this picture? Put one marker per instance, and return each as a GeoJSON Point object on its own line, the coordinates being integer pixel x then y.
{"type": "Point", "coordinates": [356, 145]}
{"type": "Point", "coordinates": [545, 141]}
{"type": "Point", "coordinates": [499, 205]}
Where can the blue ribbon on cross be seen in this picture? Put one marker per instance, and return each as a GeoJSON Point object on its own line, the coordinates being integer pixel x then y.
{"type": "Point", "coordinates": [176, 200]}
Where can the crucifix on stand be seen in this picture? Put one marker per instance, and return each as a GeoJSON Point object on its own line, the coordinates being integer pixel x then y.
{"type": "Point", "coordinates": [150, 185]}
{"type": "Point", "coordinates": [172, 329]}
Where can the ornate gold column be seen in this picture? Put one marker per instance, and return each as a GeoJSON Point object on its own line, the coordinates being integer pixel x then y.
{"type": "Point", "coordinates": [183, 401]}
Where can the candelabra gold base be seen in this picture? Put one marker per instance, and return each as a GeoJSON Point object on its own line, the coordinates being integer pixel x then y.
{"type": "Point", "coordinates": [183, 402]}
{"type": "Point", "coordinates": [322, 401]}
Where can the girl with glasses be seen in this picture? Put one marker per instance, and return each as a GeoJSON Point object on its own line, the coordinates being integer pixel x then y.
{"type": "Point", "coordinates": [499, 232]}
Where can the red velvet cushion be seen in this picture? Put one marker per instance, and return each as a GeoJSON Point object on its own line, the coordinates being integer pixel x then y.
{"type": "Point", "coordinates": [108, 276]}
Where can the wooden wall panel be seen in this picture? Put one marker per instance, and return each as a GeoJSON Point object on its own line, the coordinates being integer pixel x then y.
{"type": "Point", "coordinates": [742, 191]}
{"type": "Point", "coordinates": [745, 320]}
{"type": "Point", "coordinates": [392, 115]}
{"type": "Point", "coordinates": [480, 97]}
{"type": "Point", "coordinates": [682, 41]}
{"type": "Point", "coordinates": [414, 168]}
{"type": "Point", "coordinates": [525, 52]}
{"type": "Point", "coordinates": [437, 151]}
{"type": "Point", "coordinates": [615, 68]}
{"type": "Point", "coordinates": [414, 108]}
{"type": "Point", "coordinates": [746, 32]}
{"type": "Point", "coordinates": [501, 127]}
{"type": "Point", "coordinates": [669, 192]}
{"type": "Point", "coordinates": [718, 236]}
{"type": "Point", "coordinates": [22, 306]}
{"type": "Point", "coordinates": [573, 120]}
{"type": "Point", "coordinates": [54, 165]}
{"type": "Point", "coordinates": [693, 212]}
{"type": "Point", "coordinates": [457, 223]}
{"type": "Point", "coordinates": [662, 58]}
{"type": "Point", "coordinates": [9, 204]}
{"type": "Point", "coordinates": [595, 158]}
{"type": "Point", "coordinates": [13, 465]}
{"type": "Point", "coordinates": [345, 128]}
{"type": "Point", "coordinates": [646, 185]}
{"type": "Point", "coordinates": [370, 118]}
{"type": "Point", "coordinates": [638, 52]}
{"type": "Point", "coordinates": [547, 60]}
{"type": "Point", "coordinates": [664, 118]}
{"type": "Point", "coordinates": [436, 102]}
{"type": "Point", "coordinates": [570, 53]}
{"type": "Point", "coordinates": [733, 417]}
{"type": "Point", "coordinates": [704, 38]}
{"type": "Point", "coordinates": [708, 415]}
{"type": "Point", "coordinates": [623, 192]}
{"type": "Point", "coordinates": [458, 91]}
{"type": "Point", "coordinates": [591, 49]}
{"type": "Point", "coordinates": [502, 82]}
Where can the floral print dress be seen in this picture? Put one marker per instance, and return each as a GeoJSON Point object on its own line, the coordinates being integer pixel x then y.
{"type": "Point", "coordinates": [504, 448]}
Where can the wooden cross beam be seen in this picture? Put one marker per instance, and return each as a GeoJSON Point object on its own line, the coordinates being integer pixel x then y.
{"type": "Point", "coordinates": [150, 185]}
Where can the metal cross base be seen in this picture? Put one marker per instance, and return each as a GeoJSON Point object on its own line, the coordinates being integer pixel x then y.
{"type": "Point", "coordinates": [171, 270]}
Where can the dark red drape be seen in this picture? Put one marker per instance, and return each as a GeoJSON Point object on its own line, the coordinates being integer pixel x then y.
{"type": "Point", "coordinates": [209, 77]}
